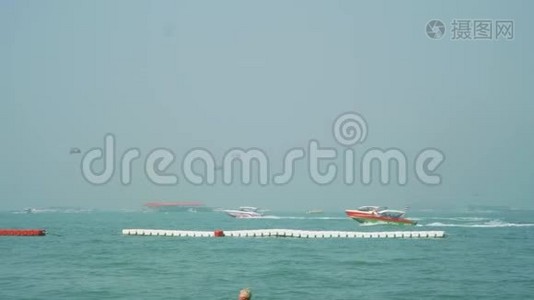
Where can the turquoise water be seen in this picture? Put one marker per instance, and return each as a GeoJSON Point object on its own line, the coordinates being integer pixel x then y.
{"type": "Point", "coordinates": [485, 255]}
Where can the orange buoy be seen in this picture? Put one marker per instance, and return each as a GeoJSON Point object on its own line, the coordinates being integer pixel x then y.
{"type": "Point", "coordinates": [218, 233]}
{"type": "Point", "coordinates": [22, 232]}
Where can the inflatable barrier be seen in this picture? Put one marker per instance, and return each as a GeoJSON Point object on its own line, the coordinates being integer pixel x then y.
{"type": "Point", "coordinates": [292, 233]}
{"type": "Point", "coordinates": [22, 232]}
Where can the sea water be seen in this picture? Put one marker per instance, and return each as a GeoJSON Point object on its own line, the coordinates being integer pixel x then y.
{"type": "Point", "coordinates": [485, 255]}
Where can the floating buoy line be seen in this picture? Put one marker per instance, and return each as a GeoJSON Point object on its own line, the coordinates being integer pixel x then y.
{"type": "Point", "coordinates": [290, 233]}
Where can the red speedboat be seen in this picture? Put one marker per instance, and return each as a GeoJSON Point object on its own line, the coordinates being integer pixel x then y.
{"type": "Point", "coordinates": [377, 214]}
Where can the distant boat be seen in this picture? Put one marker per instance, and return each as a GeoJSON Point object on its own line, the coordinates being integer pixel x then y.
{"type": "Point", "coordinates": [244, 212]}
{"type": "Point", "coordinates": [191, 206]}
{"type": "Point", "coordinates": [314, 211]}
{"type": "Point", "coordinates": [75, 150]}
{"type": "Point", "coordinates": [377, 214]}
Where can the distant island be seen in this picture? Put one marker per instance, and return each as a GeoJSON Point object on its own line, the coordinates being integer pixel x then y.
{"type": "Point", "coordinates": [190, 206]}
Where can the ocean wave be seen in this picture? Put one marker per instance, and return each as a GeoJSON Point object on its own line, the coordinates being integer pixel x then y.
{"type": "Point", "coordinates": [466, 219]}
{"type": "Point", "coordinates": [489, 224]}
{"type": "Point", "coordinates": [300, 218]}
{"type": "Point", "coordinates": [327, 218]}
{"type": "Point", "coordinates": [373, 224]}
{"type": "Point", "coordinates": [53, 210]}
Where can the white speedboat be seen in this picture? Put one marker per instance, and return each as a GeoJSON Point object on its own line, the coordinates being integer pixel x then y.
{"type": "Point", "coordinates": [244, 212]}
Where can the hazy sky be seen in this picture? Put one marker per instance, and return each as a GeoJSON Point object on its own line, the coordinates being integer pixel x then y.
{"type": "Point", "coordinates": [266, 74]}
